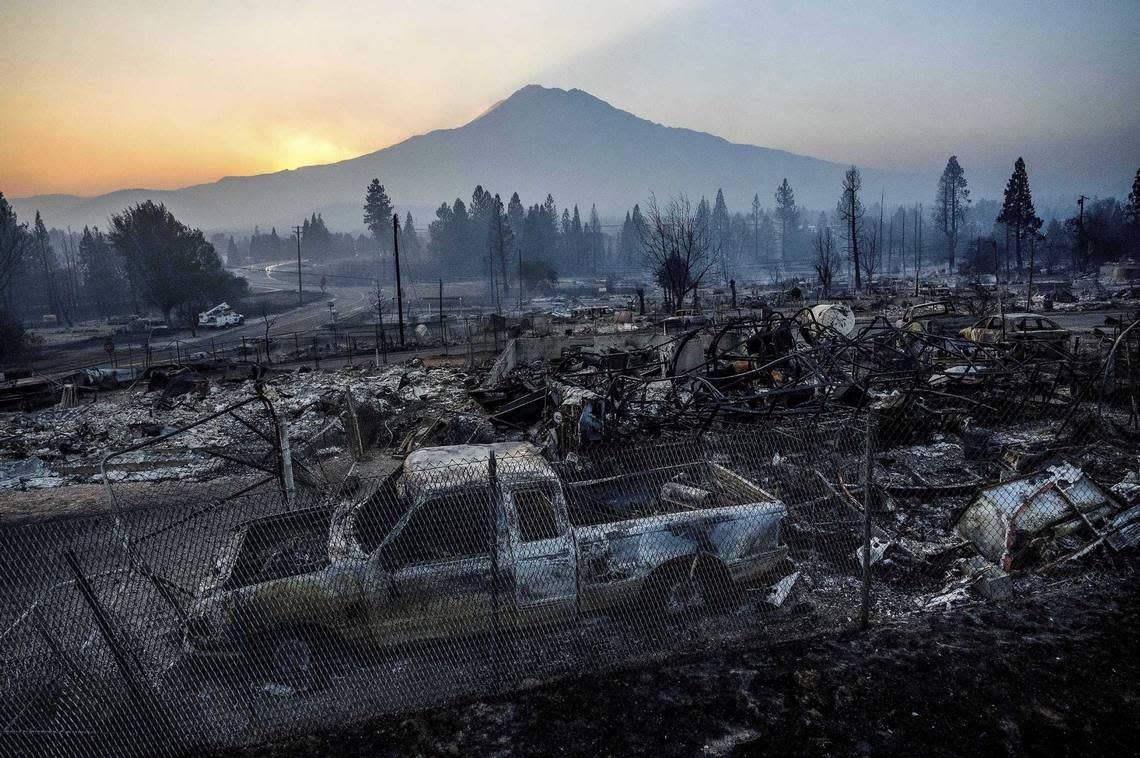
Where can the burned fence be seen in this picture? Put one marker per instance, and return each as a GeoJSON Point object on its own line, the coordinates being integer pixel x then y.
{"type": "Point", "coordinates": [466, 571]}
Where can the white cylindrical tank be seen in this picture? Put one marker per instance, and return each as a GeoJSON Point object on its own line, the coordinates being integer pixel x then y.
{"type": "Point", "coordinates": [837, 316]}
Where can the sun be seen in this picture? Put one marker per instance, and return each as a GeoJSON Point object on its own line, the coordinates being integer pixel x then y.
{"type": "Point", "coordinates": [296, 149]}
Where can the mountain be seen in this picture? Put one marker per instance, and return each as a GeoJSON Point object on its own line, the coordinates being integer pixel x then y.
{"type": "Point", "coordinates": [569, 143]}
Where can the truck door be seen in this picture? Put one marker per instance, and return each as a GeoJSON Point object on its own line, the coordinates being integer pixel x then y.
{"type": "Point", "coordinates": [439, 570]}
{"type": "Point", "coordinates": [542, 553]}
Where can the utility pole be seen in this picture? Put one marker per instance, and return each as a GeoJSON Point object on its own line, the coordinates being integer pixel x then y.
{"type": "Point", "coordinates": [520, 285]}
{"type": "Point", "coordinates": [1000, 289]}
{"type": "Point", "coordinates": [879, 246]}
{"type": "Point", "coordinates": [917, 244]}
{"type": "Point", "coordinates": [891, 248]}
{"type": "Point", "coordinates": [1032, 255]}
{"type": "Point", "coordinates": [399, 288]}
{"type": "Point", "coordinates": [1081, 233]}
{"type": "Point", "coordinates": [300, 294]}
{"type": "Point", "coordinates": [442, 332]}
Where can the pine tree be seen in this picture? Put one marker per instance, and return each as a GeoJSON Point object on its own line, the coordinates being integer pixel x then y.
{"type": "Point", "coordinates": [638, 220]}
{"type": "Point", "coordinates": [756, 228]}
{"type": "Point", "coordinates": [461, 255]}
{"type": "Point", "coordinates": [410, 246]}
{"type": "Point", "coordinates": [378, 215]}
{"type": "Point", "coordinates": [441, 233]}
{"type": "Point", "coordinates": [767, 235]}
{"type": "Point", "coordinates": [719, 234]}
{"type": "Point", "coordinates": [516, 216]}
{"type": "Point", "coordinates": [950, 205]}
{"type": "Point", "coordinates": [1132, 209]}
{"type": "Point", "coordinates": [1017, 211]}
{"type": "Point", "coordinates": [577, 242]}
{"type": "Point", "coordinates": [788, 214]}
{"type": "Point", "coordinates": [596, 241]}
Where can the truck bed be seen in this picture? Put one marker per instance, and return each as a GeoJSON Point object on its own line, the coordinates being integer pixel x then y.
{"type": "Point", "coordinates": [668, 489]}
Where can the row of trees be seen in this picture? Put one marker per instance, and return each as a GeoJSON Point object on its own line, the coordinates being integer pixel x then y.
{"type": "Point", "coordinates": [683, 247]}
{"type": "Point", "coordinates": [1004, 237]}
{"type": "Point", "coordinates": [487, 236]}
{"type": "Point", "coordinates": [145, 259]}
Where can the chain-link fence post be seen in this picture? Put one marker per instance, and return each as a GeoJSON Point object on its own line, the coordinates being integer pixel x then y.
{"type": "Point", "coordinates": [868, 500]}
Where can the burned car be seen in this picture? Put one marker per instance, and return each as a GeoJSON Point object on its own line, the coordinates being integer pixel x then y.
{"type": "Point", "coordinates": [940, 318]}
{"type": "Point", "coordinates": [1025, 331]}
{"type": "Point", "coordinates": [466, 538]}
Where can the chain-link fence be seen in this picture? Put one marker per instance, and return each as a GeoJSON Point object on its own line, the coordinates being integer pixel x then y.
{"type": "Point", "coordinates": [183, 618]}
{"type": "Point", "coordinates": [467, 570]}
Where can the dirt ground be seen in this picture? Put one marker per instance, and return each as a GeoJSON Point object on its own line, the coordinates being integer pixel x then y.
{"type": "Point", "coordinates": [1056, 673]}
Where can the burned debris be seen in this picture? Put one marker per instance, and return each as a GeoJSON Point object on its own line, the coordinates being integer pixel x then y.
{"type": "Point", "coordinates": [446, 526]}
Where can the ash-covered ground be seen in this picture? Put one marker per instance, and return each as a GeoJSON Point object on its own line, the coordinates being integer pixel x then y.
{"type": "Point", "coordinates": [1052, 673]}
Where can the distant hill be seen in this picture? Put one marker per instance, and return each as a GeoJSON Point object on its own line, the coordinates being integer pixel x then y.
{"type": "Point", "coordinates": [569, 143]}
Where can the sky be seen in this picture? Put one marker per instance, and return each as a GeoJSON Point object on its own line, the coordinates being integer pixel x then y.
{"type": "Point", "coordinates": [99, 95]}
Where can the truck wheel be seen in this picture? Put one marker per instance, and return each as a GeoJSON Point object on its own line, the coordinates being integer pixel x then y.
{"type": "Point", "coordinates": [295, 660]}
{"type": "Point", "coordinates": [684, 595]}
{"type": "Point", "coordinates": [680, 590]}
{"type": "Point", "coordinates": [293, 663]}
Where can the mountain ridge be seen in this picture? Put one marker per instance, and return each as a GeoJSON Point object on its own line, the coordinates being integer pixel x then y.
{"type": "Point", "coordinates": [569, 143]}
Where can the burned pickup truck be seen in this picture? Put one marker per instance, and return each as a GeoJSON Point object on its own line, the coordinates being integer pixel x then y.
{"type": "Point", "coordinates": [468, 538]}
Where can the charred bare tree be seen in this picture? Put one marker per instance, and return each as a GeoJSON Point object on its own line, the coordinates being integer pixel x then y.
{"type": "Point", "coordinates": [47, 262]}
{"type": "Point", "coordinates": [677, 246]}
{"type": "Point", "coordinates": [826, 260]}
{"type": "Point", "coordinates": [869, 255]}
{"type": "Point", "coordinates": [850, 211]}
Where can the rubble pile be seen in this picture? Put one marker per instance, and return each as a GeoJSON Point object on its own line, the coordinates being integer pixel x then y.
{"type": "Point", "coordinates": [53, 447]}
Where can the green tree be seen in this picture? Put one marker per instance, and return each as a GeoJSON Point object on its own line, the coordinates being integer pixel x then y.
{"type": "Point", "coordinates": [378, 215]}
{"type": "Point", "coordinates": [15, 247]}
{"type": "Point", "coordinates": [950, 205]}
{"type": "Point", "coordinates": [595, 239]}
{"type": "Point", "coordinates": [171, 264]}
{"type": "Point", "coordinates": [316, 240]}
{"type": "Point", "coordinates": [103, 276]}
{"type": "Point", "coordinates": [576, 241]}
{"type": "Point", "coordinates": [1017, 211]}
{"type": "Point", "coordinates": [538, 276]}
{"type": "Point", "coordinates": [1132, 213]}
{"type": "Point", "coordinates": [516, 216]}
{"type": "Point", "coordinates": [410, 245]}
